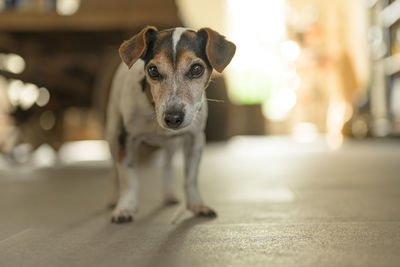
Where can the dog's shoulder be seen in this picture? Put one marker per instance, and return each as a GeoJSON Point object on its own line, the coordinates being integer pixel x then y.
{"type": "Point", "coordinates": [126, 79]}
{"type": "Point", "coordinates": [127, 92]}
{"type": "Point", "coordinates": [127, 101]}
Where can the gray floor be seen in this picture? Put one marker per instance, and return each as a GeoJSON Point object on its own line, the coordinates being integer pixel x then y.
{"type": "Point", "coordinates": [279, 204]}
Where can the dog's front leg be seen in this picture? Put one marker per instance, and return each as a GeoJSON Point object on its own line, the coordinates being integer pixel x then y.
{"type": "Point", "coordinates": [168, 181]}
{"type": "Point", "coordinates": [114, 186]}
{"type": "Point", "coordinates": [128, 185]}
{"type": "Point", "coordinates": [193, 147]}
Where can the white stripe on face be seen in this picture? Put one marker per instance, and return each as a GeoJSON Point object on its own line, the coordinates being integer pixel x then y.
{"type": "Point", "coordinates": [176, 36]}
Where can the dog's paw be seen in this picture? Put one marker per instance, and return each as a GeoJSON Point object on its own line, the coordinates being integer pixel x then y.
{"type": "Point", "coordinates": [170, 200]}
{"type": "Point", "coordinates": [203, 211]}
{"type": "Point", "coordinates": [122, 216]}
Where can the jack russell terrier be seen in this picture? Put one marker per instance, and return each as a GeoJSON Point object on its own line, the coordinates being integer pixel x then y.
{"type": "Point", "coordinates": [158, 98]}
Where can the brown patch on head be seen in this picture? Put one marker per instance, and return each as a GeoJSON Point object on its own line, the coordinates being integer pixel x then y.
{"type": "Point", "coordinates": [185, 54]}
{"type": "Point", "coordinates": [163, 34]}
{"type": "Point", "coordinates": [186, 58]}
{"type": "Point", "coordinates": [219, 51]}
{"type": "Point", "coordinates": [161, 45]}
{"type": "Point", "coordinates": [136, 47]}
{"type": "Point", "coordinates": [190, 34]}
{"type": "Point", "coordinates": [162, 58]}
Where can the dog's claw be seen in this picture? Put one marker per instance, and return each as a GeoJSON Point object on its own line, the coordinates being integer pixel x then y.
{"type": "Point", "coordinates": [203, 211]}
{"type": "Point", "coordinates": [122, 217]}
{"type": "Point", "coordinates": [208, 214]}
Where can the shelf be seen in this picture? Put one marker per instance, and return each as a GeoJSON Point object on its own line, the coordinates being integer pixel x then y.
{"type": "Point", "coordinates": [392, 65]}
{"type": "Point", "coordinates": [37, 22]}
{"type": "Point", "coordinates": [391, 13]}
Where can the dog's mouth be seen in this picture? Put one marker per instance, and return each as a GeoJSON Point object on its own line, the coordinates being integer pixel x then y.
{"type": "Point", "coordinates": [173, 126]}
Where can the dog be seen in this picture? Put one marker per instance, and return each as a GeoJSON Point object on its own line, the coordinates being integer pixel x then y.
{"type": "Point", "coordinates": [158, 98]}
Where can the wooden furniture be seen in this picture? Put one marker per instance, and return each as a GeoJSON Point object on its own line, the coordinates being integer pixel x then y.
{"type": "Point", "coordinates": [71, 55]}
{"type": "Point", "coordinates": [384, 98]}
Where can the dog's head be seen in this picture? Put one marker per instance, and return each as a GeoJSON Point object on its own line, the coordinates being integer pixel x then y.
{"type": "Point", "coordinates": [178, 66]}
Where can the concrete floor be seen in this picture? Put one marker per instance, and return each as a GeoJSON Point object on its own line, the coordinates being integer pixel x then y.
{"type": "Point", "coordinates": [279, 204]}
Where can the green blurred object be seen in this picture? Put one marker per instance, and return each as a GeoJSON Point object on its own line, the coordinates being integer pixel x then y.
{"type": "Point", "coordinates": [251, 87]}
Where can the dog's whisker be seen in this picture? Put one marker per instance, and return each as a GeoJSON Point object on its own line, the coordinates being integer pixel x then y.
{"type": "Point", "coordinates": [216, 100]}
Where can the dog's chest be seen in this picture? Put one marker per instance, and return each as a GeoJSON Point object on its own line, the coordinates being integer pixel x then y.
{"type": "Point", "coordinates": [147, 130]}
{"type": "Point", "coordinates": [160, 140]}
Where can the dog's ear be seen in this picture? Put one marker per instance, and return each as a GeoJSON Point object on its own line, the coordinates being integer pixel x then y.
{"type": "Point", "coordinates": [219, 51]}
{"type": "Point", "coordinates": [136, 47]}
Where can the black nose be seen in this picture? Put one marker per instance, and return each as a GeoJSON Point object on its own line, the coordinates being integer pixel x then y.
{"type": "Point", "coordinates": [173, 118]}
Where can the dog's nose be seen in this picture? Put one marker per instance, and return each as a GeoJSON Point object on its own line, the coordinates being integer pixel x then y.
{"type": "Point", "coordinates": [173, 118]}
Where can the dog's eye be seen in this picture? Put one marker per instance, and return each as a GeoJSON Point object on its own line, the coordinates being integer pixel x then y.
{"type": "Point", "coordinates": [153, 73]}
{"type": "Point", "coordinates": [196, 71]}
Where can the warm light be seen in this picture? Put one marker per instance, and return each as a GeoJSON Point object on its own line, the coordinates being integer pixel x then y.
{"type": "Point", "coordinates": [305, 132]}
{"type": "Point", "coordinates": [4, 100]}
{"type": "Point", "coordinates": [336, 118]}
{"type": "Point", "coordinates": [273, 195]}
{"type": "Point", "coordinates": [359, 128]}
{"type": "Point", "coordinates": [286, 98]}
{"type": "Point", "coordinates": [43, 98]}
{"type": "Point", "coordinates": [334, 140]}
{"type": "Point", "coordinates": [290, 51]}
{"type": "Point", "coordinates": [28, 95]}
{"type": "Point", "coordinates": [12, 63]}
{"type": "Point", "coordinates": [278, 107]}
{"type": "Point", "coordinates": [78, 151]}
{"type": "Point", "coordinates": [14, 90]}
{"type": "Point", "coordinates": [47, 120]}
{"type": "Point", "coordinates": [3, 83]}
{"type": "Point", "coordinates": [22, 152]}
{"type": "Point", "coordinates": [15, 64]}
{"type": "Point", "coordinates": [390, 14]}
{"type": "Point", "coordinates": [293, 80]}
{"type": "Point", "coordinates": [257, 27]}
{"type": "Point", "coordinates": [24, 95]}
{"type": "Point", "coordinates": [67, 7]}
{"type": "Point", "coordinates": [381, 127]}
{"type": "Point", "coordinates": [348, 113]}
{"type": "Point", "coordinates": [44, 156]}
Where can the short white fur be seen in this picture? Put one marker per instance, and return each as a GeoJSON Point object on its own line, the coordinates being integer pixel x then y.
{"type": "Point", "coordinates": [130, 110]}
{"type": "Point", "coordinates": [176, 36]}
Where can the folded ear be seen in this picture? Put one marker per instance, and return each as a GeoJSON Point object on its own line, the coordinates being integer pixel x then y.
{"type": "Point", "coordinates": [136, 47]}
{"type": "Point", "coordinates": [219, 51]}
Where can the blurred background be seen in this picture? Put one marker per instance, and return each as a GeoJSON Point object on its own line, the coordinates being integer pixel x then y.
{"type": "Point", "coordinates": [302, 159]}
{"type": "Point", "coordinates": [307, 69]}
